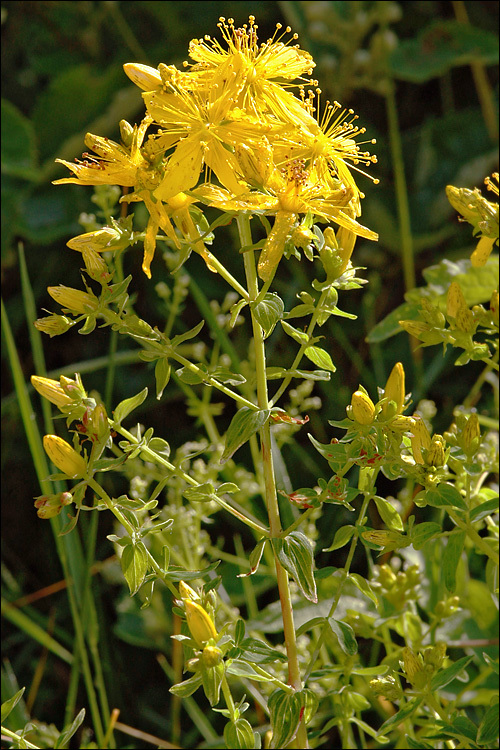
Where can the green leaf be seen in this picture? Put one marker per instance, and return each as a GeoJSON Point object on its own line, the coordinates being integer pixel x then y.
{"type": "Point", "coordinates": [363, 585]}
{"type": "Point", "coordinates": [295, 553]}
{"type": "Point", "coordinates": [389, 514]}
{"type": "Point", "coordinates": [259, 652]}
{"type": "Point", "coordinates": [341, 538]}
{"type": "Point", "coordinates": [239, 734]}
{"type": "Point", "coordinates": [191, 334]}
{"type": "Point", "coordinates": [445, 676]}
{"type": "Point", "coordinates": [128, 405]}
{"type": "Point", "coordinates": [211, 678]}
{"type": "Point", "coordinates": [440, 46]}
{"type": "Point", "coordinates": [10, 704]}
{"type": "Point", "coordinates": [242, 669]}
{"type": "Point", "coordinates": [18, 144]}
{"type": "Point", "coordinates": [268, 312]}
{"type": "Point", "coordinates": [134, 562]}
{"type": "Point", "coordinates": [321, 358]}
{"type": "Point", "coordinates": [177, 574]}
{"type": "Point", "coordinates": [245, 423]}
{"type": "Point", "coordinates": [162, 375]}
{"type": "Point", "coordinates": [484, 510]}
{"type": "Point", "coordinates": [403, 713]}
{"type": "Point", "coordinates": [451, 558]}
{"type": "Point", "coordinates": [188, 687]}
{"type": "Point", "coordinates": [68, 731]}
{"type": "Point", "coordinates": [477, 285]}
{"type": "Point", "coordinates": [192, 378]}
{"type": "Point", "coordinates": [202, 493]}
{"type": "Point", "coordinates": [421, 533]}
{"type": "Point", "coordinates": [254, 558]}
{"type": "Point", "coordinates": [488, 729]}
{"type": "Point", "coordinates": [299, 336]}
{"type": "Point", "coordinates": [345, 635]}
{"type": "Point", "coordinates": [284, 711]}
{"type": "Point", "coordinates": [445, 495]}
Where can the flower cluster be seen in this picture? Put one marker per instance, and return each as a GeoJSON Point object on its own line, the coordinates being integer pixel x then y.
{"type": "Point", "coordinates": [231, 132]}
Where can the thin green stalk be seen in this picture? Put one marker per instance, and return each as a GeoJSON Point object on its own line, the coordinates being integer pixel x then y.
{"type": "Point", "coordinates": [401, 190]}
{"type": "Point", "coordinates": [67, 550]}
{"type": "Point", "coordinates": [368, 495]}
{"type": "Point", "coordinates": [271, 497]}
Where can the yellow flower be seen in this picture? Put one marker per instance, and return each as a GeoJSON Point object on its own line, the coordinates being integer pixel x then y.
{"type": "Point", "coordinates": [289, 192]}
{"type": "Point", "coordinates": [199, 622]}
{"type": "Point", "coordinates": [64, 456]}
{"type": "Point", "coordinates": [203, 127]}
{"type": "Point", "coordinates": [113, 164]}
{"type": "Point", "coordinates": [253, 66]}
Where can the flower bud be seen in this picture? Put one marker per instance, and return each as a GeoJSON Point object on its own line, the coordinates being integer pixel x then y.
{"type": "Point", "coordinates": [434, 655]}
{"type": "Point", "coordinates": [414, 327]}
{"type": "Point", "coordinates": [186, 592]}
{"type": "Point", "coordinates": [211, 656]}
{"type": "Point", "coordinates": [466, 202]}
{"type": "Point", "coordinates": [99, 240]}
{"type": "Point", "coordinates": [455, 299]}
{"type": "Point", "coordinates": [394, 390]}
{"type": "Point", "coordinates": [51, 390]}
{"type": "Point", "coordinates": [302, 237]}
{"type": "Point", "coordinates": [64, 456]}
{"type": "Point", "coordinates": [435, 455]}
{"type": "Point", "coordinates": [96, 266]}
{"type": "Point", "coordinates": [147, 78]}
{"type": "Point", "coordinates": [99, 424]}
{"type": "Point", "coordinates": [414, 668]}
{"type": "Point", "coordinates": [482, 252]}
{"type": "Point", "coordinates": [54, 325]}
{"type": "Point", "coordinates": [420, 439]}
{"type": "Point", "coordinates": [471, 435]}
{"type": "Point", "coordinates": [402, 423]}
{"type": "Point", "coordinates": [126, 133]}
{"type": "Point", "coordinates": [388, 687]}
{"type": "Point", "coordinates": [73, 299]}
{"type": "Point", "coordinates": [363, 408]}
{"type": "Point", "coordinates": [255, 162]}
{"type": "Point", "coordinates": [199, 622]}
{"type": "Point", "coordinates": [49, 506]}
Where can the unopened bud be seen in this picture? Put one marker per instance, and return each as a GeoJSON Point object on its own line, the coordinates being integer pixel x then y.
{"type": "Point", "coordinates": [126, 133]}
{"type": "Point", "coordinates": [435, 455]}
{"type": "Point", "coordinates": [413, 667]}
{"type": "Point", "coordinates": [64, 456]}
{"type": "Point", "coordinates": [51, 390]}
{"type": "Point", "coordinates": [255, 162]}
{"type": "Point", "coordinates": [394, 390]}
{"type": "Point", "coordinates": [96, 266]}
{"type": "Point", "coordinates": [388, 687]}
{"type": "Point", "coordinates": [302, 237]}
{"type": "Point", "coordinates": [471, 434]}
{"type": "Point", "coordinates": [73, 299]}
{"type": "Point", "coordinates": [363, 408]}
{"type": "Point", "coordinates": [49, 506]}
{"type": "Point", "coordinates": [414, 327]}
{"type": "Point", "coordinates": [434, 655]}
{"type": "Point", "coordinates": [147, 78]}
{"type": "Point", "coordinates": [211, 656]}
{"type": "Point", "coordinates": [482, 252]}
{"type": "Point", "coordinates": [53, 325]}
{"type": "Point", "coordinates": [199, 622]}
{"type": "Point", "coordinates": [99, 240]}
{"type": "Point", "coordinates": [455, 299]}
{"type": "Point", "coordinates": [186, 592]}
{"type": "Point", "coordinates": [420, 439]}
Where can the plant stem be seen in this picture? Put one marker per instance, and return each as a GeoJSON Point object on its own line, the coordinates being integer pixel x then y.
{"type": "Point", "coordinates": [271, 497]}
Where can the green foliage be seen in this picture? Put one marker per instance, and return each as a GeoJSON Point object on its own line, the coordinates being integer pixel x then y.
{"type": "Point", "coordinates": [385, 528]}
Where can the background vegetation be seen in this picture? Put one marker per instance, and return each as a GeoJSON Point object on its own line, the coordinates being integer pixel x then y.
{"type": "Point", "coordinates": [61, 77]}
